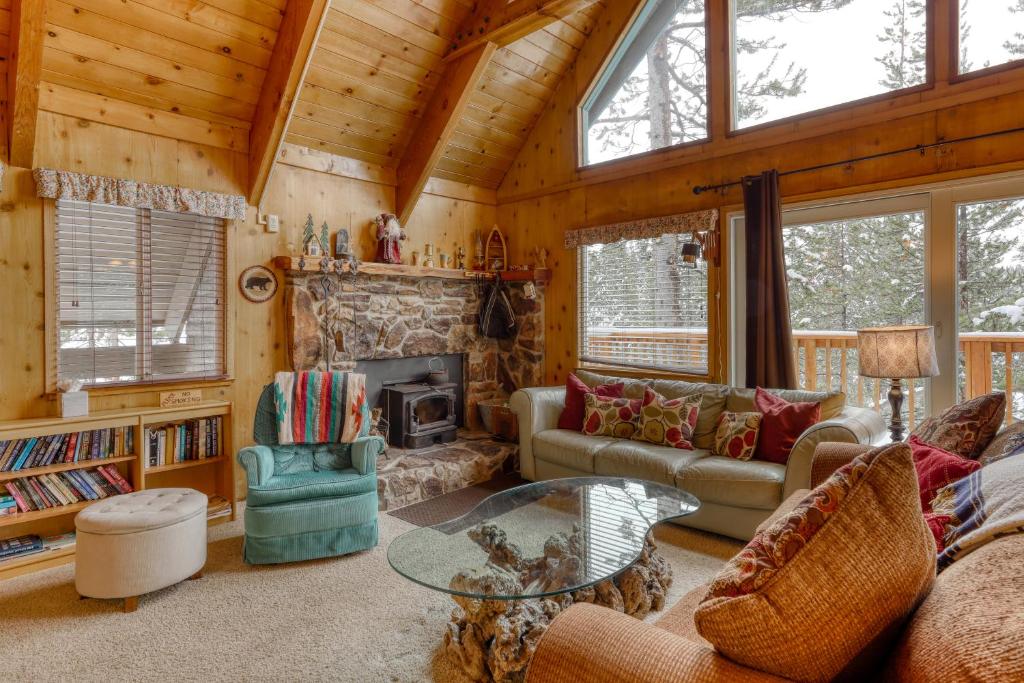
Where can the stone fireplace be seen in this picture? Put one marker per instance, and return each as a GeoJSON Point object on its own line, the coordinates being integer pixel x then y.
{"type": "Point", "coordinates": [335, 321]}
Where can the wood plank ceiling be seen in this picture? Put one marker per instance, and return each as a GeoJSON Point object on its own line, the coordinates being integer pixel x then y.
{"type": "Point", "coordinates": [194, 69]}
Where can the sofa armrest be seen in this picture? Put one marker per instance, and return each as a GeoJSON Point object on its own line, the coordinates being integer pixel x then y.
{"type": "Point", "coordinates": [365, 451]}
{"type": "Point", "coordinates": [258, 463]}
{"type": "Point", "coordinates": [537, 410]}
{"type": "Point", "coordinates": [853, 425]}
{"type": "Point", "coordinates": [829, 457]}
{"type": "Point", "coordinates": [590, 644]}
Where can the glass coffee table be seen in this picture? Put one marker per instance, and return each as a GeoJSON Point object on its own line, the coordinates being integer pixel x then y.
{"type": "Point", "coordinates": [524, 555]}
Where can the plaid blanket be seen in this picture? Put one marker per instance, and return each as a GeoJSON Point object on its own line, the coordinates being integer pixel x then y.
{"type": "Point", "coordinates": [320, 407]}
{"type": "Point", "coordinates": [982, 507]}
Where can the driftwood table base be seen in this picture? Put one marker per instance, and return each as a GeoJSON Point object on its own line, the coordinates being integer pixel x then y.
{"type": "Point", "coordinates": [494, 640]}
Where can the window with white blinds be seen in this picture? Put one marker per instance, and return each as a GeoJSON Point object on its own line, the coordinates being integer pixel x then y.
{"type": "Point", "coordinates": [139, 295]}
{"type": "Point", "coordinates": [639, 307]}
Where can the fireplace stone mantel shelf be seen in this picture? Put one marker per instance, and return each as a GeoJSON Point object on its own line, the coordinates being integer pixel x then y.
{"type": "Point", "coordinates": [311, 264]}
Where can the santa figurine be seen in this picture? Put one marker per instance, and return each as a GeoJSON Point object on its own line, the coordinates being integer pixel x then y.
{"type": "Point", "coordinates": [389, 235]}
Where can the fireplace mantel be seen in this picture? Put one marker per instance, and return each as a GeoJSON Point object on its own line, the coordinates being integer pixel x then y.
{"type": "Point", "coordinates": [311, 264]}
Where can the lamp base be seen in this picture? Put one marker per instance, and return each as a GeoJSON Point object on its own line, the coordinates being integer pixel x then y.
{"type": "Point", "coordinates": [896, 402]}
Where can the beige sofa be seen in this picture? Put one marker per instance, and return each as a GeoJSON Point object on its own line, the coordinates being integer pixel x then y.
{"type": "Point", "coordinates": [736, 496]}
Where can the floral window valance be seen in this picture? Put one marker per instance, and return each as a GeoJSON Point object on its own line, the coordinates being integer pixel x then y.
{"type": "Point", "coordinates": [697, 221]}
{"type": "Point", "coordinates": [92, 188]}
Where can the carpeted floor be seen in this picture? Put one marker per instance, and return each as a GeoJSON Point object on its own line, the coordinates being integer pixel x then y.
{"type": "Point", "coordinates": [344, 619]}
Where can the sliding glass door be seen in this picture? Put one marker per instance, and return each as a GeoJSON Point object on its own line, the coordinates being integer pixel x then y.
{"type": "Point", "coordinates": [951, 256]}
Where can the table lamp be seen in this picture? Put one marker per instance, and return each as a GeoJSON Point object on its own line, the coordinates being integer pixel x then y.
{"type": "Point", "coordinates": [897, 353]}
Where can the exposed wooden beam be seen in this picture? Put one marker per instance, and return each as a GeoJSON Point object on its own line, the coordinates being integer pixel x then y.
{"type": "Point", "coordinates": [503, 23]}
{"type": "Point", "coordinates": [25, 67]}
{"type": "Point", "coordinates": [435, 130]}
{"type": "Point", "coordinates": [288, 65]}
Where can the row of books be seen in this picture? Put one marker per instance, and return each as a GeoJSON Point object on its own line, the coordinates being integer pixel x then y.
{"type": "Point", "coordinates": [96, 444]}
{"type": "Point", "coordinates": [189, 440]}
{"type": "Point", "coordinates": [58, 489]}
{"type": "Point", "coordinates": [15, 548]}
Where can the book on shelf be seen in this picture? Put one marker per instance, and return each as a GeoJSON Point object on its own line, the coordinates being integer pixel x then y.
{"type": "Point", "coordinates": [58, 489]}
{"type": "Point", "coordinates": [41, 451]}
{"type": "Point", "coordinates": [196, 439]}
{"type": "Point", "coordinates": [218, 506]}
{"type": "Point", "coordinates": [13, 549]}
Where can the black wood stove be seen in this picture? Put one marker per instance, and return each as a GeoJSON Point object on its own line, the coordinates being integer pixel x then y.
{"type": "Point", "coordinates": [420, 415]}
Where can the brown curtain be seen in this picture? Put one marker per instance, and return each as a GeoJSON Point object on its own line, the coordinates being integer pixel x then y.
{"type": "Point", "coordinates": [770, 361]}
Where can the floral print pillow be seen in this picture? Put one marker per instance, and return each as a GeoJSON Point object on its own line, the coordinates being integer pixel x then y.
{"type": "Point", "coordinates": [737, 434]}
{"type": "Point", "coordinates": [668, 422]}
{"type": "Point", "coordinates": [967, 428]}
{"type": "Point", "coordinates": [610, 416]}
{"type": "Point", "coordinates": [773, 547]}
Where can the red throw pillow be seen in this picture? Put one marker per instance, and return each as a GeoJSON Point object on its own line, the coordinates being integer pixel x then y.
{"type": "Point", "coordinates": [937, 525]}
{"type": "Point", "coordinates": [937, 468]}
{"type": "Point", "coordinates": [575, 390]}
{"type": "Point", "coordinates": [782, 425]}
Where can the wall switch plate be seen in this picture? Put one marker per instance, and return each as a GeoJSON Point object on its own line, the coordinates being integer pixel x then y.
{"type": "Point", "coordinates": [273, 223]}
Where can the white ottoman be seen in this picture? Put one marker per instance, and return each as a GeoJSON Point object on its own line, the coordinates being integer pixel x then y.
{"type": "Point", "coordinates": [139, 542]}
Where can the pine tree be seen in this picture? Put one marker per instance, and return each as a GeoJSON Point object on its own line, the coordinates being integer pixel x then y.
{"type": "Point", "coordinates": [906, 60]}
{"type": "Point", "coordinates": [665, 101]}
{"type": "Point", "coordinates": [1015, 46]}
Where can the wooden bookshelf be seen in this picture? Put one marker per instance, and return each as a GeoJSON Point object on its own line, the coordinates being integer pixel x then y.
{"type": "Point", "coordinates": [213, 475]}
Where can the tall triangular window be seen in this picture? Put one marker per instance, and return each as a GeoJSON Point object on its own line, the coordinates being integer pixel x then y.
{"type": "Point", "coordinates": [654, 92]}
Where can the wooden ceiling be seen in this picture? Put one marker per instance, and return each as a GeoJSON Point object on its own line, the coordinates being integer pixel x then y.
{"type": "Point", "coordinates": [195, 70]}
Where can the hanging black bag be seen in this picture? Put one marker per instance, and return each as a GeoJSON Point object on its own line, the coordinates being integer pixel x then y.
{"type": "Point", "coordinates": [497, 319]}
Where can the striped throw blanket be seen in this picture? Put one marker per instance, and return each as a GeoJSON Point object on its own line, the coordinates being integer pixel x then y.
{"type": "Point", "coordinates": [320, 407]}
{"type": "Point", "coordinates": [982, 507]}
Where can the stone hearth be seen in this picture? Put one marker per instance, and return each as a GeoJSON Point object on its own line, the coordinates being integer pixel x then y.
{"type": "Point", "coordinates": [406, 477]}
{"type": "Point", "coordinates": [336, 320]}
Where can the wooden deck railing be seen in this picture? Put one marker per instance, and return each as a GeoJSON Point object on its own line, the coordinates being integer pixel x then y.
{"type": "Point", "coordinates": [827, 361]}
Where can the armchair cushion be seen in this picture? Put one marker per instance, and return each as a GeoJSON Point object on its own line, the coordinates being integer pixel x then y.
{"type": "Point", "coordinates": [285, 488]}
{"type": "Point", "coordinates": [853, 560]}
{"type": "Point", "coordinates": [591, 644]}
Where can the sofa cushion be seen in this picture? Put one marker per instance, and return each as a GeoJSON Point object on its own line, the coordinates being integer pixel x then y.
{"type": "Point", "coordinates": [736, 436]}
{"type": "Point", "coordinates": [852, 561]}
{"type": "Point", "coordinates": [608, 416]}
{"type": "Point", "coordinates": [781, 425]}
{"type": "Point", "coordinates": [284, 488]}
{"type": "Point", "coordinates": [712, 403]}
{"type": "Point", "coordinates": [668, 422]}
{"type": "Point", "coordinates": [569, 449]}
{"type": "Point", "coordinates": [575, 406]}
{"type": "Point", "coordinates": [727, 481]}
{"type": "Point", "coordinates": [971, 625]}
{"type": "Point", "coordinates": [832, 402]}
{"type": "Point", "coordinates": [966, 428]}
{"type": "Point", "coordinates": [936, 469]}
{"type": "Point", "coordinates": [1000, 446]}
{"type": "Point", "coordinates": [632, 388]}
{"type": "Point", "coordinates": [641, 460]}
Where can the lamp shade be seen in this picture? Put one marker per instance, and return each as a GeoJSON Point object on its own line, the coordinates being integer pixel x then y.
{"type": "Point", "coordinates": [897, 352]}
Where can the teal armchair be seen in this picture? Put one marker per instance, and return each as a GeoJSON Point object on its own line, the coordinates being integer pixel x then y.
{"type": "Point", "coordinates": [307, 501]}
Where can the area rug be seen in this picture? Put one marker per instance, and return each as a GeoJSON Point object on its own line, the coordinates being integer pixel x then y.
{"type": "Point", "coordinates": [344, 619]}
{"type": "Point", "coordinates": [457, 503]}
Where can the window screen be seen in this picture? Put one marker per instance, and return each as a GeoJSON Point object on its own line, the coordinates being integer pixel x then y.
{"type": "Point", "coordinates": [139, 294]}
{"type": "Point", "coordinates": [640, 308]}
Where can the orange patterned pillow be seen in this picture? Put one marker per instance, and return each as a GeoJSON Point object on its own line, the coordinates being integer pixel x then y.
{"type": "Point", "coordinates": [608, 416]}
{"type": "Point", "coordinates": [852, 560]}
{"type": "Point", "coordinates": [737, 435]}
{"type": "Point", "coordinates": [668, 422]}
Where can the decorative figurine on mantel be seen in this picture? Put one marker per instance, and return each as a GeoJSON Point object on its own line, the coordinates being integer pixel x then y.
{"type": "Point", "coordinates": [311, 244]}
{"type": "Point", "coordinates": [460, 256]}
{"type": "Point", "coordinates": [341, 245]}
{"type": "Point", "coordinates": [479, 258]}
{"type": "Point", "coordinates": [428, 255]}
{"type": "Point", "coordinates": [542, 258]}
{"type": "Point", "coordinates": [390, 234]}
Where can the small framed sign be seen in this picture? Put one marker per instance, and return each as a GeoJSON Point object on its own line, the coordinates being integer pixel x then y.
{"type": "Point", "coordinates": [258, 284]}
{"type": "Point", "coordinates": [185, 397]}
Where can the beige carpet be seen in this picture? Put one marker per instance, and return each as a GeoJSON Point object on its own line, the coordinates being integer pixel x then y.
{"type": "Point", "coordinates": [345, 619]}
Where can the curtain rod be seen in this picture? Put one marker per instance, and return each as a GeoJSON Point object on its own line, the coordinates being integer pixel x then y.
{"type": "Point", "coordinates": [701, 189]}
